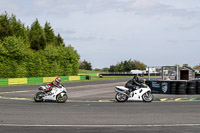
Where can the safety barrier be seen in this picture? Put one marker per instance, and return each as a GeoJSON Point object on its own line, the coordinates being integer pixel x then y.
{"type": "Point", "coordinates": [180, 87]}
{"type": "Point", "coordinates": [197, 75]}
{"type": "Point", "coordinates": [93, 74]}
{"type": "Point", "coordinates": [3, 81]}
{"type": "Point", "coordinates": [15, 81]}
{"type": "Point", "coordinates": [189, 87]}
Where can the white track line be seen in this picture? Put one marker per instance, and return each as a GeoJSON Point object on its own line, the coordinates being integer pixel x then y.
{"type": "Point", "coordinates": [164, 125]}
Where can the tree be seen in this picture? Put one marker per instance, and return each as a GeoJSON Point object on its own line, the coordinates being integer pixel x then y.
{"type": "Point", "coordinates": [37, 36]}
{"type": "Point", "coordinates": [59, 40]}
{"type": "Point", "coordinates": [112, 68]}
{"type": "Point", "coordinates": [139, 65]}
{"type": "Point", "coordinates": [18, 29]}
{"type": "Point", "coordinates": [5, 28]}
{"type": "Point", "coordinates": [15, 48]}
{"type": "Point", "coordinates": [85, 65]}
{"type": "Point", "coordinates": [24, 51]}
{"type": "Point", "coordinates": [127, 66]}
{"type": "Point", "coordinates": [197, 67]}
{"type": "Point", "coordinates": [186, 65]}
{"type": "Point", "coordinates": [49, 33]}
{"type": "Point", "coordinates": [97, 69]}
{"type": "Point", "coordinates": [13, 57]}
{"type": "Point", "coordinates": [105, 69]}
{"type": "Point", "coordinates": [10, 26]}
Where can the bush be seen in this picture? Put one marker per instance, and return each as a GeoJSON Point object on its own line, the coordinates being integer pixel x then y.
{"type": "Point", "coordinates": [32, 52]}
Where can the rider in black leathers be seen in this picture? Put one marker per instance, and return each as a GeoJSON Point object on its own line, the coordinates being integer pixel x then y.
{"type": "Point", "coordinates": [131, 84]}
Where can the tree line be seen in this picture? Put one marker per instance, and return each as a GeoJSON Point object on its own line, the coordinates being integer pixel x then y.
{"type": "Point", "coordinates": [127, 66]}
{"type": "Point", "coordinates": [124, 66]}
{"type": "Point", "coordinates": [34, 51]}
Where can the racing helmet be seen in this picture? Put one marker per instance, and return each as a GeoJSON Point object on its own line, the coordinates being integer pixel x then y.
{"type": "Point", "coordinates": [136, 78]}
{"type": "Point", "coordinates": [58, 80]}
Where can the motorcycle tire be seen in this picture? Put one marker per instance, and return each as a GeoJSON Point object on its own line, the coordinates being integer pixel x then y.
{"type": "Point", "coordinates": [121, 97]}
{"type": "Point", "coordinates": [38, 97]}
{"type": "Point", "coordinates": [147, 97]}
{"type": "Point", "coordinates": [61, 99]}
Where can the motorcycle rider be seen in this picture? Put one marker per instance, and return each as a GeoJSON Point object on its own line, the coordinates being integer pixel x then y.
{"type": "Point", "coordinates": [55, 83]}
{"type": "Point", "coordinates": [133, 83]}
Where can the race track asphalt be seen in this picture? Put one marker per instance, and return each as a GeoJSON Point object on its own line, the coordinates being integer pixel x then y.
{"type": "Point", "coordinates": [84, 113]}
{"type": "Point", "coordinates": [22, 115]}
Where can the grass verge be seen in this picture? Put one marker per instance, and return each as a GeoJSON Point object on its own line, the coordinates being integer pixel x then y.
{"type": "Point", "coordinates": [92, 79]}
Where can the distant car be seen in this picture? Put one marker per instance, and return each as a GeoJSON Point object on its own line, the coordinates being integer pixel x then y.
{"type": "Point", "coordinates": [137, 71]}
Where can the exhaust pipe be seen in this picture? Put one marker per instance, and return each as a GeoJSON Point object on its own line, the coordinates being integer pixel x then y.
{"type": "Point", "coordinates": [121, 92]}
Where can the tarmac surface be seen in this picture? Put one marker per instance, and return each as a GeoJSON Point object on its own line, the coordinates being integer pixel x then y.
{"type": "Point", "coordinates": [167, 117]}
{"type": "Point", "coordinates": [91, 108]}
{"type": "Point", "coordinates": [102, 91]}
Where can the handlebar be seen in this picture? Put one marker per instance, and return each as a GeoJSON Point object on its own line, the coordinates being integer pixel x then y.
{"type": "Point", "coordinates": [144, 85]}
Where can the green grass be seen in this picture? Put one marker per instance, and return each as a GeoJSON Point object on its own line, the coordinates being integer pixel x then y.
{"type": "Point", "coordinates": [88, 71]}
{"type": "Point", "coordinates": [92, 79]}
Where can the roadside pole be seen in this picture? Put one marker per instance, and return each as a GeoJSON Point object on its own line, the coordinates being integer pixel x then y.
{"type": "Point", "coordinates": [162, 73]}
{"type": "Point", "coordinates": [148, 73]}
{"type": "Point", "coordinates": [177, 74]}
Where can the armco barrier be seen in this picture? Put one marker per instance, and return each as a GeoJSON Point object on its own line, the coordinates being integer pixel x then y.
{"type": "Point", "coordinates": [48, 79]}
{"type": "Point", "coordinates": [64, 78]}
{"type": "Point", "coordinates": [14, 81]}
{"type": "Point", "coordinates": [71, 78]}
{"type": "Point", "coordinates": [95, 74]}
{"type": "Point", "coordinates": [82, 77]}
{"type": "Point", "coordinates": [3, 81]}
{"type": "Point", "coordinates": [34, 80]}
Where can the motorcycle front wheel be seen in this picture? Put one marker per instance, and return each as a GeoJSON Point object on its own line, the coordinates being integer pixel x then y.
{"type": "Point", "coordinates": [61, 99]}
{"type": "Point", "coordinates": [121, 97]}
{"type": "Point", "coordinates": [38, 97]}
{"type": "Point", "coordinates": [147, 97]}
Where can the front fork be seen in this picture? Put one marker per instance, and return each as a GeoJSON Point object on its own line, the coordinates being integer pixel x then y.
{"type": "Point", "coordinates": [41, 94]}
{"type": "Point", "coordinates": [63, 93]}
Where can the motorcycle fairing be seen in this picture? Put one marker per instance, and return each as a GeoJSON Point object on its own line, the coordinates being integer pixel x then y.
{"type": "Point", "coordinates": [137, 96]}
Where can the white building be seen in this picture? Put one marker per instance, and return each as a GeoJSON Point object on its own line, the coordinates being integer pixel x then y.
{"type": "Point", "coordinates": [138, 71]}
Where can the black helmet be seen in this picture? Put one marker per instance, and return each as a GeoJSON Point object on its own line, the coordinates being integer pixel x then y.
{"type": "Point", "coordinates": [136, 78]}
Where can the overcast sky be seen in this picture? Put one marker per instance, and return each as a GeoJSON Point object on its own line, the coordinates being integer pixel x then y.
{"type": "Point", "coordinates": [104, 32]}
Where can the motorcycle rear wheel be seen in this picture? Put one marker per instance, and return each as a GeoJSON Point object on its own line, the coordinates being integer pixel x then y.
{"type": "Point", "coordinates": [38, 97]}
{"type": "Point", "coordinates": [61, 99]}
{"type": "Point", "coordinates": [121, 97]}
{"type": "Point", "coordinates": [147, 97]}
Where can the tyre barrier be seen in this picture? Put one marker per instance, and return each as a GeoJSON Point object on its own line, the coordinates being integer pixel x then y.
{"type": "Point", "coordinates": [88, 77]}
{"type": "Point", "coordinates": [191, 87]}
{"type": "Point", "coordinates": [185, 87]}
{"type": "Point", "coordinates": [173, 85]}
{"type": "Point", "coordinates": [198, 87]}
{"type": "Point", "coordinates": [181, 87]}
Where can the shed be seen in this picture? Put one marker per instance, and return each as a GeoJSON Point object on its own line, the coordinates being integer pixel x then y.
{"type": "Point", "coordinates": [187, 73]}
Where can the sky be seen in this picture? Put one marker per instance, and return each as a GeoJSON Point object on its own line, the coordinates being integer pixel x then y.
{"type": "Point", "coordinates": [105, 32]}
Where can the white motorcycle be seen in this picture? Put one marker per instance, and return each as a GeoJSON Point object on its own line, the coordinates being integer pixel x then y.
{"type": "Point", "coordinates": [140, 94]}
{"type": "Point", "coordinates": [58, 94]}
